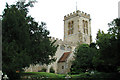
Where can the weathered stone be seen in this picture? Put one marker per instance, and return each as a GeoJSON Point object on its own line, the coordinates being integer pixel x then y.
{"type": "Point", "coordinates": [80, 32]}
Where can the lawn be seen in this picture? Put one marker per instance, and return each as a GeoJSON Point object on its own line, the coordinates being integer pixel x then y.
{"type": "Point", "coordinates": [81, 76]}
{"type": "Point", "coordinates": [43, 74]}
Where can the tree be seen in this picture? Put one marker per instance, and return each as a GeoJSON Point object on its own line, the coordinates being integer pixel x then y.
{"type": "Point", "coordinates": [109, 44]}
{"type": "Point", "coordinates": [42, 48]}
{"type": "Point", "coordinates": [25, 42]}
{"type": "Point", "coordinates": [83, 58]}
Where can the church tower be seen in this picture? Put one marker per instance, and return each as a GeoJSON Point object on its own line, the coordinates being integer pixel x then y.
{"type": "Point", "coordinates": [77, 27]}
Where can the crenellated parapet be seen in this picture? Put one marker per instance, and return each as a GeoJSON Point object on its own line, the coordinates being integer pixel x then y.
{"type": "Point", "coordinates": [77, 13]}
{"type": "Point", "coordinates": [53, 39]}
{"type": "Point", "coordinates": [60, 41]}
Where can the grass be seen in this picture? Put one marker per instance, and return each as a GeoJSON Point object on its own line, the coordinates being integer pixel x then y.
{"type": "Point", "coordinates": [43, 74]}
{"type": "Point", "coordinates": [81, 76]}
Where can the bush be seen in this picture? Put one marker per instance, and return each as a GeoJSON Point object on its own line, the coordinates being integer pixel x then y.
{"type": "Point", "coordinates": [43, 70]}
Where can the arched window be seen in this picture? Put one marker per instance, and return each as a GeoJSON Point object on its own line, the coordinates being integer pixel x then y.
{"type": "Point", "coordinates": [72, 23]}
{"type": "Point", "coordinates": [83, 26]}
{"type": "Point", "coordinates": [84, 39]}
{"type": "Point", "coordinates": [86, 27]}
{"type": "Point", "coordinates": [62, 47]}
{"type": "Point", "coordinates": [70, 27]}
{"type": "Point", "coordinates": [78, 28]}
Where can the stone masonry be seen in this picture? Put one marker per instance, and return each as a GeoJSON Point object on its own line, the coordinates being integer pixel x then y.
{"type": "Point", "coordinates": [77, 29]}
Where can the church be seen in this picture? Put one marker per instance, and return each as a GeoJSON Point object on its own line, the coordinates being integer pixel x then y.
{"type": "Point", "coordinates": [77, 29]}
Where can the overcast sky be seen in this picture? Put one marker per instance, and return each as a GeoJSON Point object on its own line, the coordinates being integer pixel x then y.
{"type": "Point", "coordinates": [53, 11]}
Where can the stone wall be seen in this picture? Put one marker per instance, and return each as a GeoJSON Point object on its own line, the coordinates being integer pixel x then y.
{"type": "Point", "coordinates": [35, 68]}
{"type": "Point", "coordinates": [58, 54]}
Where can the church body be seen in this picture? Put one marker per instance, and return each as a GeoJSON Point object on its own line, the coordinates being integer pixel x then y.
{"type": "Point", "coordinates": [77, 29]}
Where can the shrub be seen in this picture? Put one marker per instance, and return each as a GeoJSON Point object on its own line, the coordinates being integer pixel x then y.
{"type": "Point", "coordinates": [43, 70]}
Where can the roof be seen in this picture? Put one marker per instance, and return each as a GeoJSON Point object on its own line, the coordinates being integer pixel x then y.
{"type": "Point", "coordinates": [64, 57]}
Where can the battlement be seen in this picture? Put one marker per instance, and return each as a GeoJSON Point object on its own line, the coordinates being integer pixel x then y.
{"type": "Point", "coordinates": [53, 39]}
{"type": "Point", "coordinates": [60, 41]}
{"type": "Point", "coordinates": [77, 13]}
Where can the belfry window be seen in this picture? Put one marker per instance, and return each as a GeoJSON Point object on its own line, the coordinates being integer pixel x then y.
{"type": "Point", "coordinates": [70, 27]}
{"type": "Point", "coordinates": [85, 27]}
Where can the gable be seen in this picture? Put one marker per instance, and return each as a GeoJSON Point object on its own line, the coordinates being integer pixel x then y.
{"type": "Point", "coordinates": [64, 57]}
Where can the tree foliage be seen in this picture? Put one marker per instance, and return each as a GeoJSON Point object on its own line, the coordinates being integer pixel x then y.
{"type": "Point", "coordinates": [109, 43]}
{"type": "Point", "coordinates": [104, 59]}
{"type": "Point", "coordinates": [84, 55]}
{"type": "Point", "coordinates": [25, 42]}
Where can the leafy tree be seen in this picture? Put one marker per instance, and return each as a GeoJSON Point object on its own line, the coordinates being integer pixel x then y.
{"type": "Point", "coordinates": [42, 48]}
{"type": "Point", "coordinates": [25, 42]}
{"type": "Point", "coordinates": [105, 47]}
{"type": "Point", "coordinates": [83, 58]}
{"type": "Point", "coordinates": [43, 70]}
{"type": "Point", "coordinates": [109, 43]}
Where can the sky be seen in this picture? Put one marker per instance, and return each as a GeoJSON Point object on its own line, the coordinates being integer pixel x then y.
{"type": "Point", "coordinates": [52, 12]}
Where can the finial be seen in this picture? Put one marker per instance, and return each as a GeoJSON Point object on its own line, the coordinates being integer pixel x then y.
{"type": "Point", "coordinates": [76, 5]}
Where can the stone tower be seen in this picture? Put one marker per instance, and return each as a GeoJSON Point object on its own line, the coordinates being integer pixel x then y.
{"type": "Point", "coordinates": [77, 27]}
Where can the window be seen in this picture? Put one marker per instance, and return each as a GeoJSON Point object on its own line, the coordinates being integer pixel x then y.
{"type": "Point", "coordinates": [78, 28]}
{"type": "Point", "coordinates": [84, 39]}
{"type": "Point", "coordinates": [69, 48]}
{"type": "Point", "coordinates": [62, 47]}
{"type": "Point", "coordinates": [70, 27]}
{"type": "Point", "coordinates": [85, 27]}
{"type": "Point", "coordinates": [62, 67]}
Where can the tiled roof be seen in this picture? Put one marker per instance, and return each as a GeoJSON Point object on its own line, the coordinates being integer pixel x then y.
{"type": "Point", "coordinates": [64, 57]}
